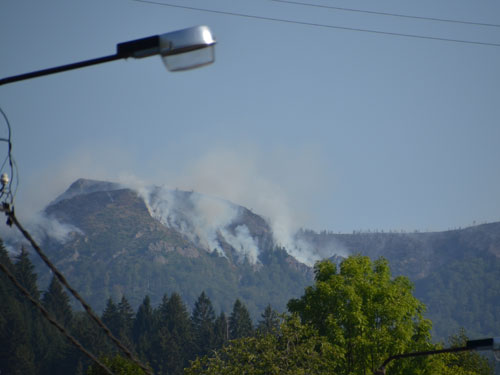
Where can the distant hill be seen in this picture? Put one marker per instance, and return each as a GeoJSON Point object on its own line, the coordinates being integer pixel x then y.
{"type": "Point", "coordinates": [456, 273]}
{"type": "Point", "coordinates": [155, 240]}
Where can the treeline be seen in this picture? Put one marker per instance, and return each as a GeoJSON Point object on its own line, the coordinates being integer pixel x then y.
{"type": "Point", "coordinates": [166, 337]}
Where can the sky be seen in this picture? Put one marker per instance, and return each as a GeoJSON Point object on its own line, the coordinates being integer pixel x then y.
{"type": "Point", "coordinates": [335, 129]}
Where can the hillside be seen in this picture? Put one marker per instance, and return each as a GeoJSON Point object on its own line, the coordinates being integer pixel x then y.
{"type": "Point", "coordinates": [456, 273]}
{"type": "Point", "coordinates": [155, 241]}
{"type": "Point", "coordinates": [124, 246]}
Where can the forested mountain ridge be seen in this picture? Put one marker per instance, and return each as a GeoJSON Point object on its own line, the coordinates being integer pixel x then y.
{"type": "Point", "coordinates": [456, 273]}
{"type": "Point", "coordinates": [133, 243]}
{"type": "Point", "coordinates": [117, 245]}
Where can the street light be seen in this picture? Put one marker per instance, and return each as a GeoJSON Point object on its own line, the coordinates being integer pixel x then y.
{"type": "Point", "coordinates": [492, 343]}
{"type": "Point", "coordinates": [180, 50]}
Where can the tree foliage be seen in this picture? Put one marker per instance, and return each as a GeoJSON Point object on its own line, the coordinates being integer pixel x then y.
{"type": "Point", "coordinates": [294, 349]}
{"type": "Point", "coordinates": [366, 315]}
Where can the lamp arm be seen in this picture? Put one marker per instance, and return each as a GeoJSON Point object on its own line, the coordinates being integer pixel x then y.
{"type": "Point", "coordinates": [59, 69]}
{"type": "Point", "coordinates": [381, 369]}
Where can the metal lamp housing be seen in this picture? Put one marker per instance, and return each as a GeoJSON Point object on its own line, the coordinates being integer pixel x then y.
{"type": "Point", "coordinates": [187, 49]}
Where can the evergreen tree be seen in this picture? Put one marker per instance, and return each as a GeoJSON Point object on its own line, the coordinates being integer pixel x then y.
{"type": "Point", "coordinates": [144, 324]}
{"type": "Point", "coordinates": [111, 317]}
{"type": "Point", "coordinates": [56, 301]}
{"type": "Point", "coordinates": [221, 331]}
{"type": "Point", "coordinates": [25, 274]}
{"type": "Point", "coordinates": [240, 324]}
{"type": "Point", "coordinates": [57, 351]}
{"type": "Point", "coordinates": [270, 321]}
{"type": "Point", "coordinates": [126, 320]}
{"type": "Point", "coordinates": [173, 341]}
{"type": "Point", "coordinates": [16, 354]}
{"type": "Point", "coordinates": [34, 349]}
{"type": "Point", "coordinates": [203, 319]}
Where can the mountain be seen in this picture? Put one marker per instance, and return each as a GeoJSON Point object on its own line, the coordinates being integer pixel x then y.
{"type": "Point", "coordinates": [113, 240]}
{"type": "Point", "coordinates": [156, 241]}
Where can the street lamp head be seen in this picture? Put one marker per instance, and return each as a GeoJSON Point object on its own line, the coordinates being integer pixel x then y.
{"type": "Point", "coordinates": [187, 49]}
{"type": "Point", "coordinates": [180, 50]}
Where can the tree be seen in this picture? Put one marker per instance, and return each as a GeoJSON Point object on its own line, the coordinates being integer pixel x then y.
{"type": "Point", "coordinates": [57, 357]}
{"type": "Point", "coordinates": [221, 331]}
{"type": "Point", "coordinates": [270, 321]}
{"type": "Point", "coordinates": [117, 364]}
{"type": "Point", "coordinates": [367, 315]}
{"type": "Point", "coordinates": [240, 324]}
{"type": "Point", "coordinates": [203, 320]}
{"type": "Point", "coordinates": [172, 341]}
{"type": "Point", "coordinates": [56, 301]}
{"type": "Point", "coordinates": [296, 349]}
{"type": "Point", "coordinates": [144, 324]}
{"type": "Point", "coordinates": [464, 363]}
{"type": "Point", "coordinates": [111, 317]}
{"type": "Point", "coordinates": [126, 314]}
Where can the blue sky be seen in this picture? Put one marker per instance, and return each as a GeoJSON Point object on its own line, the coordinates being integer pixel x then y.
{"type": "Point", "coordinates": [335, 129]}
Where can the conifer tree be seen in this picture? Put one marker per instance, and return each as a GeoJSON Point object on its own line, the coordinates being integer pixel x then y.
{"type": "Point", "coordinates": [221, 331]}
{"type": "Point", "coordinates": [111, 317]}
{"type": "Point", "coordinates": [144, 324]}
{"type": "Point", "coordinates": [56, 301]}
{"type": "Point", "coordinates": [203, 319]}
{"type": "Point", "coordinates": [32, 321]}
{"type": "Point", "coordinates": [25, 274]}
{"type": "Point", "coordinates": [270, 321]}
{"type": "Point", "coordinates": [16, 354]}
{"type": "Point", "coordinates": [57, 351]}
{"type": "Point", "coordinates": [240, 324]}
{"type": "Point", "coordinates": [126, 320]}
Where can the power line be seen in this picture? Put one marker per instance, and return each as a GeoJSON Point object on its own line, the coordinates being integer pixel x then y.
{"type": "Point", "coordinates": [389, 14]}
{"type": "Point", "coordinates": [319, 24]}
{"type": "Point", "coordinates": [52, 321]}
{"type": "Point", "coordinates": [12, 220]}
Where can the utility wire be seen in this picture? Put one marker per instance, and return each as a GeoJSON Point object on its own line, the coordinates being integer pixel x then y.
{"type": "Point", "coordinates": [52, 321]}
{"type": "Point", "coordinates": [12, 220]}
{"type": "Point", "coordinates": [389, 14]}
{"type": "Point", "coordinates": [320, 24]}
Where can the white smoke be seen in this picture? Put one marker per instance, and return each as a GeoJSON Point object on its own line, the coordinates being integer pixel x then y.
{"type": "Point", "coordinates": [203, 219]}
{"type": "Point", "coordinates": [279, 187]}
{"type": "Point", "coordinates": [41, 227]}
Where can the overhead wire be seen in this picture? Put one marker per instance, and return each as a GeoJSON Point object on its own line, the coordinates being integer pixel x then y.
{"type": "Point", "coordinates": [329, 26]}
{"type": "Point", "coordinates": [51, 320]}
{"type": "Point", "coordinates": [388, 14]}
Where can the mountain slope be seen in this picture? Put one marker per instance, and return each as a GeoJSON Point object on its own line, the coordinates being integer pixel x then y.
{"type": "Point", "coordinates": [122, 248]}
{"type": "Point", "coordinates": [158, 241]}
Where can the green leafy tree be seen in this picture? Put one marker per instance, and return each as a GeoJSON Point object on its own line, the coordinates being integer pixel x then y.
{"type": "Point", "coordinates": [366, 315]}
{"type": "Point", "coordinates": [297, 349]}
{"type": "Point", "coordinates": [203, 320]}
{"type": "Point", "coordinates": [240, 323]}
{"type": "Point", "coordinates": [117, 364]}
